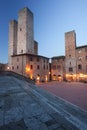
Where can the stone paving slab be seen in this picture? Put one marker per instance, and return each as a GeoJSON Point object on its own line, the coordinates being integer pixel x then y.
{"type": "Point", "coordinates": [26, 107]}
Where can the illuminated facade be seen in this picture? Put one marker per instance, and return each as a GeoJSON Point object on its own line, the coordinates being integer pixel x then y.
{"type": "Point", "coordinates": [75, 58]}
{"type": "Point", "coordinates": [3, 67]}
{"type": "Point", "coordinates": [33, 66]}
{"type": "Point", "coordinates": [72, 66]}
{"type": "Point", "coordinates": [23, 55]}
{"type": "Point", "coordinates": [23, 49]}
{"type": "Point", "coordinates": [58, 68]}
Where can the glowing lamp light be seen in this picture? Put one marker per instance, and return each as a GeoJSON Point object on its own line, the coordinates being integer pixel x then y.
{"type": "Point", "coordinates": [31, 77]}
{"type": "Point", "coordinates": [27, 69]}
{"type": "Point", "coordinates": [81, 75]}
{"type": "Point", "coordinates": [8, 68]}
{"type": "Point", "coordinates": [38, 78]}
{"type": "Point", "coordinates": [49, 72]}
{"type": "Point", "coordinates": [46, 78]}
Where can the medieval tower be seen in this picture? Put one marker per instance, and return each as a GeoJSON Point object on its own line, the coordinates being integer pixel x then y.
{"type": "Point", "coordinates": [12, 48]}
{"type": "Point", "coordinates": [25, 43]}
{"type": "Point", "coordinates": [70, 54]}
{"type": "Point", "coordinates": [21, 35]}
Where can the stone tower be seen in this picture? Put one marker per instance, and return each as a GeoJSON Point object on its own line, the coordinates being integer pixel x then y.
{"type": "Point", "coordinates": [25, 42]}
{"type": "Point", "coordinates": [12, 47]}
{"type": "Point", "coordinates": [70, 53]}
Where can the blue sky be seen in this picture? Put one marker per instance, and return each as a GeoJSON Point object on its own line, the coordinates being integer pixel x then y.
{"type": "Point", "coordinates": [52, 18]}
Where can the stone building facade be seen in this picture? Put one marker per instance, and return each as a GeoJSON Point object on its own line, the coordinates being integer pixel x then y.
{"type": "Point", "coordinates": [33, 66]}
{"type": "Point", "coordinates": [3, 67]}
{"type": "Point", "coordinates": [23, 49]}
{"type": "Point", "coordinates": [23, 55]}
{"type": "Point", "coordinates": [75, 58]}
{"type": "Point", "coordinates": [12, 46]}
{"type": "Point", "coordinates": [72, 66]}
{"type": "Point", "coordinates": [81, 56]}
{"type": "Point", "coordinates": [58, 68]}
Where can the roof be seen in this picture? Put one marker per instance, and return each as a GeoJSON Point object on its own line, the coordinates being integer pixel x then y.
{"type": "Point", "coordinates": [25, 54]}
{"type": "Point", "coordinates": [81, 47]}
{"type": "Point", "coordinates": [58, 57]}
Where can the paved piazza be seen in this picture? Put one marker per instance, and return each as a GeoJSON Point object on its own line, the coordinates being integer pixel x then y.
{"type": "Point", "coordinates": [24, 106]}
{"type": "Point", "coordinates": [74, 92]}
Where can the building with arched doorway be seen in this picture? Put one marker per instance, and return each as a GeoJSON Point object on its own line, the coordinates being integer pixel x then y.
{"type": "Point", "coordinates": [23, 55]}
{"type": "Point", "coordinates": [58, 68]}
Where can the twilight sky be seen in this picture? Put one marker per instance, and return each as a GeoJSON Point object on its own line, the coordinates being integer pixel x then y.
{"type": "Point", "coordinates": [52, 18]}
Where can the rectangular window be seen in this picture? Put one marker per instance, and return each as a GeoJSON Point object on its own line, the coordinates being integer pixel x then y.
{"type": "Point", "coordinates": [12, 67]}
{"type": "Point", "coordinates": [80, 67]}
{"type": "Point", "coordinates": [21, 51]}
{"type": "Point", "coordinates": [70, 69]}
{"type": "Point", "coordinates": [38, 67]}
{"type": "Point", "coordinates": [31, 67]}
{"type": "Point", "coordinates": [44, 67]}
{"type": "Point", "coordinates": [38, 59]}
{"type": "Point", "coordinates": [31, 59]}
{"type": "Point", "coordinates": [17, 67]}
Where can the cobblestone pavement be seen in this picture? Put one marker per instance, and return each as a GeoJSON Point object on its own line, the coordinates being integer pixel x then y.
{"type": "Point", "coordinates": [24, 106]}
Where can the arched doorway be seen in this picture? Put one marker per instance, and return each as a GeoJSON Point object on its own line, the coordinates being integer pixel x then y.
{"type": "Point", "coordinates": [59, 78]}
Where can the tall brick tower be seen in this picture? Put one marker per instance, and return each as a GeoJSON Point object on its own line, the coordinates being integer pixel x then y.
{"type": "Point", "coordinates": [12, 47]}
{"type": "Point", "coordinates": [70, 54]}
{"type": "Point", "coordinates": [25, 42]}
